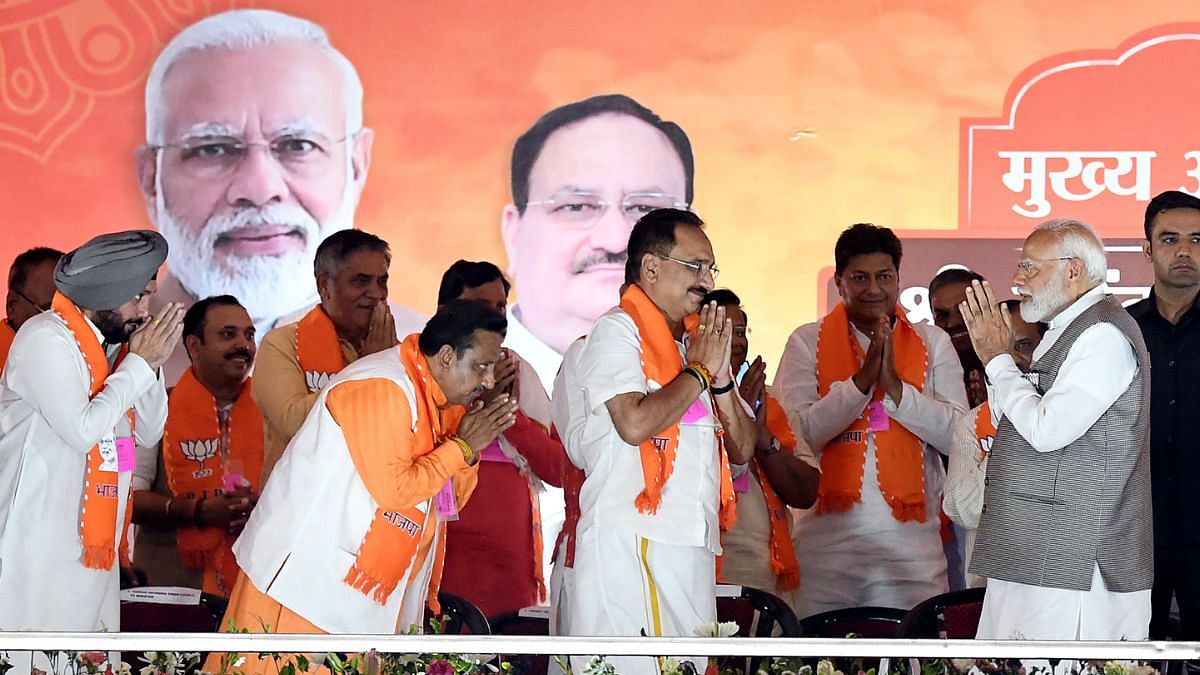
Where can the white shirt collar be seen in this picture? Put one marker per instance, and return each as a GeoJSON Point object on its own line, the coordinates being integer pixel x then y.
{"type": "Point", "coordinates": [544, 359]}
{"type": "Point", "coordinates": [1065, 317]}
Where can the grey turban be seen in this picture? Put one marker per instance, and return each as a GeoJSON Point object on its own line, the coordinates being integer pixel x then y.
{"type": "Point", "coordinates": [111, 269]}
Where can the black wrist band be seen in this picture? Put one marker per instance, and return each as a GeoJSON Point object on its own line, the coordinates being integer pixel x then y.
{"type": "Point", "coordinates": [721, 390]}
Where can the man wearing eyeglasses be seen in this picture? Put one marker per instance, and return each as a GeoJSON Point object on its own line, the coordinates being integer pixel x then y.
{"type": "Point", "coordinates": [666, 423]}
{"type": "Point", "coordinates": [1065, 534]}
{"type": "Point", "coordinates": [876, 396]}
{"type": "Point", "coordinates": [30, 290]}
{"type": "Point", "coordinates": [582, 175]}
{"type": "Point", "coordinates": [255, 152]}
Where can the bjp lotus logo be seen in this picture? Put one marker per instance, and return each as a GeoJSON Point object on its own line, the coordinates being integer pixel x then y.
{"type": "Point", "coordinates": [316, 381]}
{"type": "Point", "coordinates": [199, 451]}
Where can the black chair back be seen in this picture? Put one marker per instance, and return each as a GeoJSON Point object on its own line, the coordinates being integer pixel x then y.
{"type": "Point", "coordinates": [763, 611]}
{"type": "Point", "coordinates": [462, 617]}
{"type": "Point", "coordinates": [514, 623]}
{"type": "Point", "coordinates": [865, 622]}
{"type": "Point", "coordinates": [953, 615]}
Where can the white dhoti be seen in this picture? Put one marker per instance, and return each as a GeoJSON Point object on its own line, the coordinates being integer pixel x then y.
{"type": "Point", "coordinates": [634, 587]}
{"type": "Point", "coordinates": [1013, 611]}
{"type": "Point", "coordinates": [562, 592]}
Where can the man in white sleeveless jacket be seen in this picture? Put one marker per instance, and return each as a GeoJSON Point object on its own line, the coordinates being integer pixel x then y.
{"type": "Point", "coordinates": [347, 535]}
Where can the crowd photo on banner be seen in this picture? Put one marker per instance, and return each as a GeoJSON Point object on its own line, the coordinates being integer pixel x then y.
{"type": "Point", "coordinates": [229, 399]}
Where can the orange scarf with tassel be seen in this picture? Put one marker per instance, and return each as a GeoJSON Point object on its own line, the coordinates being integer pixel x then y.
{"type": "Point", "coordinates": [196, 469]}
{"type": "Point", "coordinates": [98, 509]}
{"type": "Point", "coordinates": [662, 363]}
{"type": "Point", "coordinates": [318, 349]}
{"type": "Point", "coordinates": [898, 453]}
{"type": "Point", "coordinates": [392, 541]}
{"type": "Point", "coordinates": [783, 554]}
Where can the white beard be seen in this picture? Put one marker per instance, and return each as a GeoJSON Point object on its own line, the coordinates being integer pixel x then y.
{"type": "Point", "coordinates": [269, 287]}
{"type": "Point", "coordinates": [1048, 303]}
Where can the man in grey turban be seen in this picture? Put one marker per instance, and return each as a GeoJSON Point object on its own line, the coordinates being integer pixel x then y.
{"type": "Point", "coordinates": [82, 385]}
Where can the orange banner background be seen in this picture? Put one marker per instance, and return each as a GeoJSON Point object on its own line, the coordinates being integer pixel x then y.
{"type": "Point", "coordinates": [805, 117]}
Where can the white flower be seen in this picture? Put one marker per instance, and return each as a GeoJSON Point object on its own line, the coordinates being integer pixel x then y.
{"type": "Point", "coordinates": [825, 667]}
{"type": "Point", "coordinates": [124, 669]}
{"type": "Point", "coordinates": [722, 629]}
{"type": "Point", "coordinates": [672, 666]}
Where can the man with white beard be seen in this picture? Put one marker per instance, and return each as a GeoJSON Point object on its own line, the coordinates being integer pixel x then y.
{"type": "Point", "coordinates": [1066, 534]}
{"type": "Point", "coordinates": [249, 163]}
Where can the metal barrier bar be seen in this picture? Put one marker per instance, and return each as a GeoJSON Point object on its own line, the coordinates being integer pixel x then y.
{"type": "Point", "coordinates": [609, 646]}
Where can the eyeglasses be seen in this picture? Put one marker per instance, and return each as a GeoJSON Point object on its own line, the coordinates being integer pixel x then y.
{"type": "Point", "coordinates": [26, 299]}
{"type": "Point", "coordinates": [699, 268]}
{"type": "Point", "coordinates": [1027, 265]}
{"type": "Point", "coordinates": [582, 209]}
{"type": "Point", "coordinates": [214, 157]}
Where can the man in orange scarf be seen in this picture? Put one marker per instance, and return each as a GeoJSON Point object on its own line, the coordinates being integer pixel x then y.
{"type": "Point", "coordinates": [758, 550]}
{"type": "Point", "coordinates": [669, 421]}
{"type": "Point", "coordinates": [349, 534]}
{"type": "Point", "coordinates": [876, 397]}
{"type": "Point", "coordinates": [82, 385]}
{"type": "Point", "coordinates": [495, 550]}
{"type": "Point", "coordinates": [353, 320]}
{"type": "Point", "coordinates": [30, 291]}
{"type": "Point", "coordinates": [212, 446]}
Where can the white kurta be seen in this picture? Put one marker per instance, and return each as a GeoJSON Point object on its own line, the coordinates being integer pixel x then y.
{"type": "Point", "coordinates": [964, 487]}
{"type": "Point", "coordinates": [1097, 370]}
{"type": "Point", "coordinates": [685, 527]}
{"type": "Point", "coordinates": [865, 556]}
{"type": "Point", "coordinates": [566, 414]}
{"type": "Point", "coordinates": [47, 427]}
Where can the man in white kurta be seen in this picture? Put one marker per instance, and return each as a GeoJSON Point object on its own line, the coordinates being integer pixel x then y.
{"type": "Point", "coordinates": [658, 488]}
{"type": "Point", "coordinates": [1094, 582]}
{"type": "Point", "coordinates": [865, 556]}
{"type": "Point", "coordinates": [49, 425]}
{"type": "Point", "coordinates": [569, 422]}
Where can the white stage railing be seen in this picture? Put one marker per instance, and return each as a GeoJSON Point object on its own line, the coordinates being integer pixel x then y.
{"type": "Point", "coordinates": [506, 644]}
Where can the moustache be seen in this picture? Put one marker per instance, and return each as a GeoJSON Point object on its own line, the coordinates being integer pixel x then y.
{"type": "Point", "coordinates": [239, 353]}
{"type": "Point", "coordinates": [134, 324]}
{"type": "Point", "coordinates": [301, 221]}
{"type": "Point", "coordinates": [598, 258]}
{"type": "Point", "coordinates": [699, 289]}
